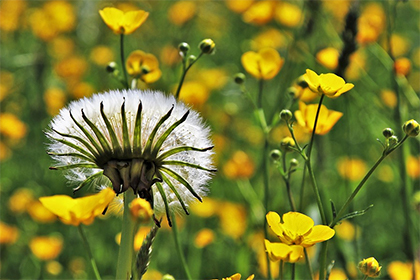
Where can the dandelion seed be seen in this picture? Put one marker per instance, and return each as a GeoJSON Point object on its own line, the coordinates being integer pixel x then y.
{"type": "Point", "coordinates": [143, 140]}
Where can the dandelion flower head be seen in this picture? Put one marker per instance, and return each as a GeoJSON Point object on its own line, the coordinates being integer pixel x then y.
{"type": "Point", "coordinates": [144, 140]}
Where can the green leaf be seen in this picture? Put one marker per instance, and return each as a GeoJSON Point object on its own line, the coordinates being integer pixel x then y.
{"type": "Point", "coordinates": [180, 179]}
{"type": "Point", "coordinates": [87, 134]}
{"type": "Point", "coordinates": [152, 135]}
{"type": "Point", "coordinates": [165, 201]}
{"type": "Point", "coordinates": [76, 165]}
{"type": "Point", "coordinates": [171, 186]}
{"type": "Point", "coordinates": [354, 214]}
{"type": "Point", "coordinates": [181, 149]}
{"type": "Point", "coordinates": [114, 140]}
{"type": "Point", "coordinates": [88, 181]}
{"type": "Point", "coordinates": [137, 132]}
{"type": "Point", "coordinates": [183, 163]}
{"type": "Point", "coordinates": [126, 138]}
{"type": "Point", "coordinates": [165, 135]}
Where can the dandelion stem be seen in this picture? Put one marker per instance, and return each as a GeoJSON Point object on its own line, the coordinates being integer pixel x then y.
{"type": "Point", "coordinates": [92, 260]}
{"type": "Point", "coordinates": [123, 60]}
{"type": "Point", "coordinates": [126, 252]}
{"type": "Point", "coordinates": [178, 247]}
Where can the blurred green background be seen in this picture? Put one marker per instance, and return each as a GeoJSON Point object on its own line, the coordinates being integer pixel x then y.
{"type": "Point", "coordinates": [53, 52]}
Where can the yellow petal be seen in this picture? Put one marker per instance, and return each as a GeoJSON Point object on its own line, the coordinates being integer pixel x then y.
{"type": "Point", "coordinates": [112, 18]}
{"type": "Point", "coordinates": [297, 223]}
{"type": "Point", "coordinates": [270, 63]}
{"type": "Point", "coordinates": [330, 83]}
{"type": "Point", "coordinates": [296, 253]}
{"type": "Point", "coordinates": [312, 79]}
{"type": "Point", "coordinates": [277, 251]}
{"type": "Point", "coordinates": [299, 118]}
{"type": "Point", "coordinates": [273, 220]}
{"type": "Point", "coordinates": [235, 276]}
{"type": "Point", "coordinates": [60, 205]}
{"type": "Point", "coordinates": [344, 89]}
{"type": "Point", "coordinates": [134, 62]}
{"type": "Point", "coordinates": [319, 233]}
{"type": "Point", "coordinates": [133, 20]}
{"type": "Point", "coordinates": [250, 61]}
{"type": "Point", "coordinates": [332, 119]}
{"type": "Point", "coordinates": [152, 76]}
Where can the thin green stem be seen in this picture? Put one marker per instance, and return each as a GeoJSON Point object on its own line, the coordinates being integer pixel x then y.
{"type": "Point", "coordinates": [266, 181]}
{"type": "Point", "coordinates": [286, 178]}
{"type": "Point", "coordinates": [281, 270]}
{"type": "Point", "coordinates": [184, 74]}
{"type": "Point", "coordinates": [123, 61]}
{"type": "Point", "coordinates": [365, 277]}
{"type": "Point", "coordinates": [323, 260]}
{"type": "Point", "coordinates": [126, 252]}
{"type": "Point", "coordinates": [178, 247]}
{"type": "Point", "coordinates": [293, 271]}
{"type": "Point", "coordinates": [308, 263]}
{"type": "Point", "coordinates": [302, 189]}
{"type": "Point", "coordinates": [89, 252]}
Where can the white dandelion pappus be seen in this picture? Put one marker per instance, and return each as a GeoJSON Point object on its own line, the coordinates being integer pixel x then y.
{"type": "Point", "coordinates": [142, 140]}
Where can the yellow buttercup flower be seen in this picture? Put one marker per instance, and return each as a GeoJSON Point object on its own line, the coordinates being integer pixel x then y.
{"type": "Point", "coordinates": [123, 23]}
{"type": "Point", "coordinates": [329, 84]}
{"type": "Point", "coordinates": [295, 231]}
{"type": "Point", "coordinates": [143, 66]}
{"type": "Point", "coordinates": [305, 117]}
{"type": "Point", "coordinates": [45, 247]}
{"type": "Point", "coordinates": [73, 211]}
{"type": "Point", "coordinates": [204, 237]}
{"type": "Point", "coordinates": [237, 276]}
{"type": "Point", "coordinates": [262, 65]}
{"type": "Point", "coordinates": [8, 234]}
{"type": "Point", "coordinates": [141, 210]}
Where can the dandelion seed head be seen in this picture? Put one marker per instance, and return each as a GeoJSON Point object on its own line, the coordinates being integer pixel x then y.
{"type": "Point", "coordinates": [66, 135]}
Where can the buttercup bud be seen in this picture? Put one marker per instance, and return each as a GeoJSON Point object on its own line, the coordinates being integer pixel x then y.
{"type": "Point", "coordinates": [110, 68]}
{"type": "Point", "coordinates": [287, 144]}
{"type": "Point", "coordinates": [184, 47]}
{"type": "Point", "coordinates": [286, 115]}
{"type": "Point", "coordinates": [387, 132]}
{"type": "Point", "coordinates": [370, 267]}
{"type": "Point", "coordinates": [168, 277]}
{"type": "Point", "coordinates": [411, 128]}
{"type": "Point", "coordinates": [291, 91]}
{"type": "Point", "coordinates": [294, 162]}
{"type": "Point", "coordinates": [191, 59]}
{"type": "Point", "coordinates": [207, 46]}
{"type": "Point", "coordinates": [302, 82]}
{"type": "Point", "coordinates": [239, 78]}
{"type": "Point", "coordinates": [392, 141]}
{"type": "Point", "coordinates": [275, 154]}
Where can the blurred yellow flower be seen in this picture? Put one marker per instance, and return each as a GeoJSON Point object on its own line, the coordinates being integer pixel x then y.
{"type": "Point", "coordinates": [352, 169]}
{"type": "Point", "coordinates": [123, 23]}
{"type": "Point", "coordinates": [306, 114]}
{"type": "Point", "coordinates": [143, 66]}
{"type": "Point", "coordinates": [39, 213]}
{"type": "Point", "coordinates": [214, 78]}
{"type": "Point", "coordinates": [262, 65]}
{"type": "Point", "coordinates": [389, 98]}
{"type": "Point", "coordinates": [238, 276]}
{"type": "Point", "coordinates": [339, 11]}
{"type": "Point", "coordinates": [55, 99]}
{"type": "Point", "coordinates": [413, 166]}
{"type": "Point", "coordinates": [328, 58]}
{"type": "Point", "coordinates": [259, 13]}
{"type": "Point", "coordinates": [206, 209]}
{"type": "Point", "coordinates": [288, 14]}
{"type": "Point", "coordinates": [370, 267]}
{"type": "Point", "coordinates": [45, 247]}
{"type": "Point", "coordinates": [152, 274]}
{"type": "Point", "coordinates": [329, 84]}
{"type": "Point", "coordinates": [371, 23]}
{"type": "Point", "coordinates": [336, 273]}
{"type": "Point", "coordinates": [398, 270]}
{"type": "Point", "coordinates": [169, 55]}
{"type": "Point", "coordinates": [295, 231]}
{"type": "Point", "coordinates": [239, 166]}
{"type": "Point", "coordinates": [347, 231]}
{"type": "Point", "coordinates": [72, 67]}
{"type": "Point", "coordinates": [141, 210]}
{"type": "Point", "coordinates": [8, 234]}
{"type": "Point", "coordinates": [270, 38]}
{"type": "Point", "coordinates": [10, 14]}
{"type": "Point", "coordinates": [400, 45]}
{"type": "Point", "coordinates": [204, 237]}
{"type": "Point", "coordinates": [12, 127]}
{"type": "Point", "coordinates": [233, 219]}
{"type": "Point", "coordinates": [182, 11]}
{"type": "Point", "coordinates": [138, 237]}
{"type": "Point", "coordinates": [101, 55]}
{"type": "Point", "coordinates": [402, 66]}
{"type": "Point", "coordinates": [80, 89]}
{"type": "Point", "coordinates": [194, 93]}
{"type": "Point", "coordinates": [73, 211]}
{"type": "Point", "coordinates": [5, 152]}
{"type": "Point", "coordinates": [61, 47]}
{"type": "Point", "coordinates": [53, 268]}
{"type": "Point", "coordinates": [239, 6]}
{"type": "Point", "coordinates": [20, 200]}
